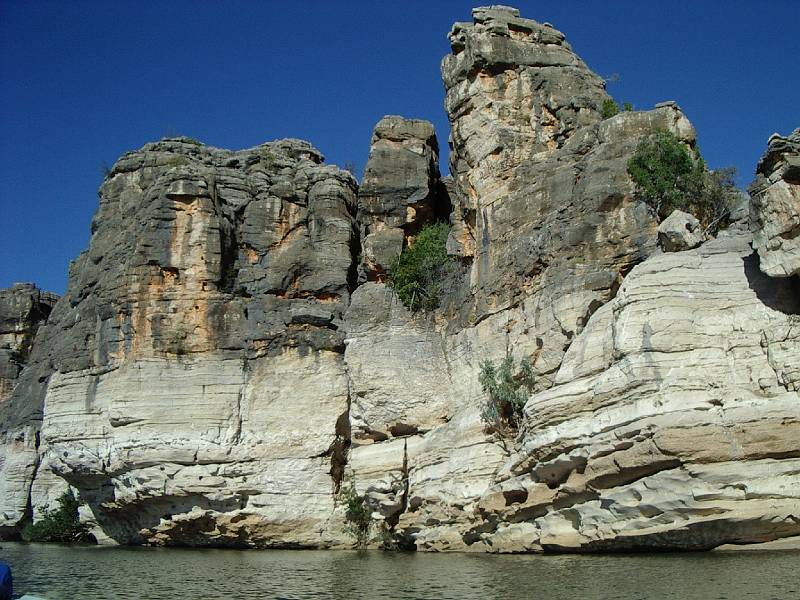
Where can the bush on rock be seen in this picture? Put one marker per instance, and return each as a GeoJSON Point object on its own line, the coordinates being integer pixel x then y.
{"type": "Point", "coordinates": [420, 274]}
{"type": "Point", "coordinates": [61, 525]}
{"type": "Point", "coordinates": [507, 394]}
{"type": "Point", "coordinates": [668, 177]}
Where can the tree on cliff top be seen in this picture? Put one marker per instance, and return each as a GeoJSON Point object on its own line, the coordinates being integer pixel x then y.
{"type": "Point", "coordinates": [668, 178]}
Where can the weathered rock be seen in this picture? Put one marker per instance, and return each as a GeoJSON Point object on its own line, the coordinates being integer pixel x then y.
{"type": "Point", "coordinates": [215, 369]}
{"type": "Point", "coordinates": [23, 307]}
{"type": "Point", "coordinates": [553, 235]}
{"type": "Point", "coordinates": [194, 368]}
{"type": "Point", "coordinates": [399, 378]}
{"type": "Point", "coordinates": [672, 424]}
{"type": "Point", "coordinates": [680, 231]}
{"type": "Point", "coordinates": [400, 191]}
{"type": "Point", "coordinates": [775, 207]}
{"type": "Point", "coordinates": [543, 204]}
{"type": "Point", "coordinates": [683, 433]}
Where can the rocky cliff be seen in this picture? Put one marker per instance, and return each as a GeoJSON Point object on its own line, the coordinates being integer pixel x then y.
{"type": "Point", "coordinates": [228, 352]}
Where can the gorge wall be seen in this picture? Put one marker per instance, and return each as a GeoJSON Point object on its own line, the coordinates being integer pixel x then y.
{"type": "Point", "coordinates": [228, 352]}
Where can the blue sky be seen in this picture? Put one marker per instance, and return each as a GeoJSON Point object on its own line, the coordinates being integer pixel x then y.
{"type": "Point", "coordinates": [82, 82]}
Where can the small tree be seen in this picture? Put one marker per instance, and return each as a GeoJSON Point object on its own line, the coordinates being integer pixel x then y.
{"type": "Point", "coordinates": [418, 275]}
{"type": "Point", "coordinates": [357, 515]}
{"type": "Point", "coordinates": [610, 108]}
{"type": "Point", "coordinates": [61, 525]}
{"type": "Point", "coordinates": [668, 177]}
{"type": "Point", "coordinates": [507, 394]}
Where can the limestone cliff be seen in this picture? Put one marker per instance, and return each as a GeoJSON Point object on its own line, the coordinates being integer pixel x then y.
{"type": "Point", "coordinates": [228, 350]}
{"type": "Point", "coordinates": [23, 309]}
{"type": "Point", "coordinates": [195, 362]}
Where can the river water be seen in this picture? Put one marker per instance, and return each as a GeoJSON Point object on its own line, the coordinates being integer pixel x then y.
{"type": "Point", "coordinates": [56, 572]}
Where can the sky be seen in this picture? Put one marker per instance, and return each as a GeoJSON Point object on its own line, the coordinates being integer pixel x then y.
{"type": "Point", "coordinates": [82, 82]}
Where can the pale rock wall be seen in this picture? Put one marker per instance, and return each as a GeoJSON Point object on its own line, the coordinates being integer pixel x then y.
{"type": "Point", "coordinates": [775, 209]}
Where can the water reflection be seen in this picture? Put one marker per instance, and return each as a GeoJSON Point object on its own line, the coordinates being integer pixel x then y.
{"type": "Point", "coordinates": [57, 572]}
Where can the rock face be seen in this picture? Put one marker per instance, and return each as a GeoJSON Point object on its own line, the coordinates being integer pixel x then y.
{"type": "Point", "coordinates": [192, 377]}
{"type": "Point", "coordinates": [23, 307]}
{"type": "Point", "coordinates": [674, 419]}
{"type": "Point", "coordinates": [228, 352]}
{"type": "Point", "coordinates": [775, 210]}
{"type": "Point", "coordinates": [400, 192]}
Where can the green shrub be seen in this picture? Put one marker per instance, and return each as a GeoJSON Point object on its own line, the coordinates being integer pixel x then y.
{"type": "Point", "coordinates": [668, 177]}
{"type": "Point", "coordinates": [61, 525]}
{"type": "Point", "coordinates": [358, 516]}
{"type": "Point", "coordinates": [627, 107]}
{"type": "Point", "coordinates": [507, 394]}
{"type": "Point", "coordinates": [610, 108]}
{"type": "Point", "coordinates": [420, 275]}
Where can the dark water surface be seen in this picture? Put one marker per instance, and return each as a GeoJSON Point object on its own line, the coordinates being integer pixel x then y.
{"type": "Point", "coordinates": [59, 572]}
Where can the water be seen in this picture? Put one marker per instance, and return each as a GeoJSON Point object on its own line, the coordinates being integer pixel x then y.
{"type": "Point", "coordinates": [56, 572]}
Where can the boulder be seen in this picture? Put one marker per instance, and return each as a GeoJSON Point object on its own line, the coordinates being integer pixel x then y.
{"type": "Point", "coordinates": [680, 231]}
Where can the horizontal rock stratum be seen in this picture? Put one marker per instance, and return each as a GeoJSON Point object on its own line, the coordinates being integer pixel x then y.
{"type": "Point", "coordinates": [228, 352]}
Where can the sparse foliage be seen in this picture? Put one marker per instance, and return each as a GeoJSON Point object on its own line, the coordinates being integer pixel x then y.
{"type": "Point", "coordinates": [627, 107]}
{"type": "Point", "coordinates": [268, 157]}
{"type": "Point", "coordinates": [351, 168]}
{"type": "Point", "coordinates": [424, 271]}
{"type": "Point", "coordinates": [358, 516]}
{"type": "Point", "coordinates": [507, 393]}
{"type": "Point", "coordinates": [610, 108]}
{"type": "Point", "coordinates": [669, 177]}
{"type": "Point", "coordinates": [61, 525]}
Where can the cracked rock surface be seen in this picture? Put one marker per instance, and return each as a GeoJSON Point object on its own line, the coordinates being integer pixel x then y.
{"type": "Point", "coordinates": [227, 351]}
{"type": "Point", "coordinates": [775, 209]}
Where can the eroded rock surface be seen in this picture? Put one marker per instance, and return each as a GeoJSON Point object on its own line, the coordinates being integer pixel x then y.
{"type": "Point", "coordinates": [680, 231]}
{"type": "Point", "coordinates": [23, 308]}
{"type": "Point", "coordinates": [228, 352]}
{"type": "Point", "coordinates": [775, 207]}
{"type": "Point", "coordinates": [192, 377]}
{"type": "Point", "coordinates": [400, 192]}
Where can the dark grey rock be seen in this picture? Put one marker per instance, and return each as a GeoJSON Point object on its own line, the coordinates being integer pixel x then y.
{"type": "Point", "coordinates": [400, 191]}
{"type": "Point", "coordinates": [23, 309]}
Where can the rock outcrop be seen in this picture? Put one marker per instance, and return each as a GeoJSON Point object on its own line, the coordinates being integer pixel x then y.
{"type": "Point", "coordinates": [228, 351]}
{"type": "Point", "coordinates": [680, 231]}
{"type": "Point", "coordinates": [192, 376]}
{"type": "Point", "coordinates": [775, 209]}
{"type": "Point", "coordinates": [401, 191]}
{"type": "Point", "coordinates": [23, 309]}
